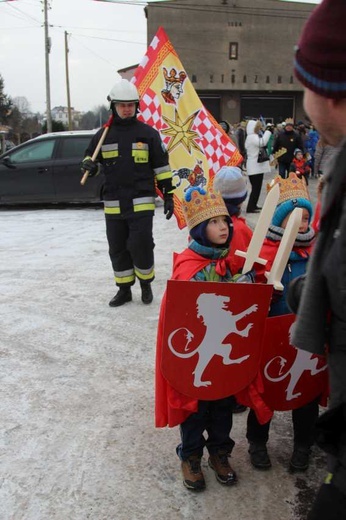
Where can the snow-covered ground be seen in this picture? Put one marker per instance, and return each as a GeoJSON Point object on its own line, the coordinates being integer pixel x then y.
{"type": "Point", "coordinates": [77, 385]}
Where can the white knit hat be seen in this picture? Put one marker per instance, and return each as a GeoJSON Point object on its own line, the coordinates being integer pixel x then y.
{"type": "Point", "coordinates": [230, 182]}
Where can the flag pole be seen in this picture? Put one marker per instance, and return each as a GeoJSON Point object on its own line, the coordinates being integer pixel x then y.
{"type": "Point", "coordinates": [98, 147]}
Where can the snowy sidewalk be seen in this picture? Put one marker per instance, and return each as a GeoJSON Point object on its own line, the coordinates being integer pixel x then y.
{"type": "Point", "coordinates": [77, 384]}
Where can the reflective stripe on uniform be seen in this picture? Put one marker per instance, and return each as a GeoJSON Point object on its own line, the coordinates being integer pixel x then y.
{"type": "Point", "coordinates": [163, 173]}
{"type": "Point", "coordinates": [140, 152]}
{"type": "Point", "coordinates": [144, 204]}
{"type": "Point", "coordinates": [110, 151]}
{"type": "Point", "coordinates": [112, 207]}
{"type": "Point", "coordinates": [328, 478]}
{"type": "Point", "coordinates": [122, 277]}
{"type": "Point", "coordinates": [145, 274]}
{"type": "Point", "coordinates": [140, 146]}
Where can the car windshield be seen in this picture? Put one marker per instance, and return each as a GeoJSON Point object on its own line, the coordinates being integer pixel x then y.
{"type": "Point", "coordinates": [39, 151]}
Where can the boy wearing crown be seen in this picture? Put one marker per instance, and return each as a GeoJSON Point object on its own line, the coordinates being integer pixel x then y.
{"type": "Point", "coordinates": [205, 259]}
{"type": "Point", "coordinates": [293, 194]}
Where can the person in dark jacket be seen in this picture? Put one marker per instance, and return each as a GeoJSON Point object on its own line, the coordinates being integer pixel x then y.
{"type": "Point", "coordinates": [289, 139]}
{"type": "Point", "coordinates": [321, 319]}
{"type": "Point", "coordinates": [134, 159]}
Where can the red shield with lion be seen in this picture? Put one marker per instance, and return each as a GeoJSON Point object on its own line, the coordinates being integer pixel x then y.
{"type": "Point", "coordinates": [212, 336]}
{"type": "Point", "coordinates": [291, 377]}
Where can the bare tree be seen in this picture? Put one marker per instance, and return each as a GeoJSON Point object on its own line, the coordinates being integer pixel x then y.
{"type": "Point", "coordinates": [23, 105]}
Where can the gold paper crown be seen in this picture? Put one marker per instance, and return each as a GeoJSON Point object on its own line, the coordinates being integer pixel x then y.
{"type": "Point", "coordinates": [289, 121]}
{"type": "Point", "coordinates": [291, 188]}
{"type": "Point", "coordinates": [202, 207]}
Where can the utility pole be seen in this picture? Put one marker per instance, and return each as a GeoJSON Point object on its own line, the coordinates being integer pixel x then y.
{"type": "Point", "coordinates": [70, 127]}
{"type": "Point", "coordinates": [47, 47]}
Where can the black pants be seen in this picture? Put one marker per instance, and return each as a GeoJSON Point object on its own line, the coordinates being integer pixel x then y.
{"type": "Point", "coordinates": [303, 419]}
{"type": "Point", "coordinates": [214, 417]}
{"type": "Point", "coordinates": [256, 186]}
{"type": "Point", "coordinates": [131, 249]}
{"type": "Point", "coordinates": [284, 169]}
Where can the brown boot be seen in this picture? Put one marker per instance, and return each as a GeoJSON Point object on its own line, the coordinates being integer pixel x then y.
{"type": "Point", "coordinates": [223, 471]}
{"type": "Point", "coordinates": [193, 477]}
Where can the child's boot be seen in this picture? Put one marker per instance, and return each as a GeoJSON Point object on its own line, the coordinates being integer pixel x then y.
{"type": "Point", "coordinates": [223, 471]}
{"type": "Point", "coordinates": [193, 477]}
{"type": "Point", "coordinates": [300, 458]}
{"type": "Point", "coordinates": [259, 455]}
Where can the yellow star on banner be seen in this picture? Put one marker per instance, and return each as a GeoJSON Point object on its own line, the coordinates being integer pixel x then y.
{"type": "Point", "coordinates": [181, 133]}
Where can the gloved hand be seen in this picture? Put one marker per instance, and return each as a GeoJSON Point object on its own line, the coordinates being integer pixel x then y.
{"type": "Point", "coordinates": [89, 166]}
{"type": "Point", "coordinates": [168, 205]}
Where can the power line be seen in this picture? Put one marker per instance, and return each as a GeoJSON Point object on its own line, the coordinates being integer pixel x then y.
{"type": "Point", "coordinates": [23, 13]}
{"type": "Point", "coordinates": [273, 12]}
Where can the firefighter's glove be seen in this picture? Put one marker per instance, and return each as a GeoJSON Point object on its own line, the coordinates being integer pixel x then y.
{"type": "Point", "coordinates": [168, 205]}
{"type": "Point", "coordinates": [294, 293]}
{"type": "Point", "coordinates": [89, 166]}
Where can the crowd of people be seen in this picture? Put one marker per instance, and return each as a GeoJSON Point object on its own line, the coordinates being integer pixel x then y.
{"type": "Point", "coordinates": [288, 147]}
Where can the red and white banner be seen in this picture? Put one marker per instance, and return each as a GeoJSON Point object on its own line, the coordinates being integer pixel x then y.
{"type": "Point", "coordinates": [291, 377]}
{"type": "Point", "coordinates": [212, 344]}
{"type": "Point", "coordinates": [197, 145]}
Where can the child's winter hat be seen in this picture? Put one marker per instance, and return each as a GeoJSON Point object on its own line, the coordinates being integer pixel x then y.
{"type": "Point", "coordinates": [320, 55]}
{"type": "Point", "coordinates": [231, 183]}
{"type": "Point", "coordinates": [297, 150]}
{"type": "Point", "coordinates": [293, 194]}
{"type": "Point", "coordinates": [199, 205]}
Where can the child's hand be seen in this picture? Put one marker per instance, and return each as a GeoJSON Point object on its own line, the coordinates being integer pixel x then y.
{"type": "Point", "coordinates": [248, 277]}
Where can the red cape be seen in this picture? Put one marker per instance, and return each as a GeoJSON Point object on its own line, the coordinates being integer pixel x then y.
{"type": "Point", "coordinates": [171, 407]}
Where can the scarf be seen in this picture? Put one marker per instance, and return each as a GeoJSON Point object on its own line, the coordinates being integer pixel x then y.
{"type": "Point", "coordinates": [301, 243]}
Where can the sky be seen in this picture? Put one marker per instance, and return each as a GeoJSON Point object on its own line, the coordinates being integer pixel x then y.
{"type": "Point", "coordinates": [103, 38]}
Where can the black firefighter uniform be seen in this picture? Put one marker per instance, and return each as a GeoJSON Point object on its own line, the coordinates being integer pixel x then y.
{"type": "Point", "coordinates": [134, 158]}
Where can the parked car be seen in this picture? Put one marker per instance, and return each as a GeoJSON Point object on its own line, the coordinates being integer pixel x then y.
{"type": "Point", "coordinates": [9, 145]}
{"type": "Point", "coordinates": [47, 169]}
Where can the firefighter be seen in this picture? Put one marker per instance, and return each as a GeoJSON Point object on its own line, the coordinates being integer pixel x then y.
{"type": "Point", "coordinates": [134, 159]}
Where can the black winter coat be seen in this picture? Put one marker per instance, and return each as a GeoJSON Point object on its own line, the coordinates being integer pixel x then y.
{"type": "Point", "coordinates": [133, 158]}
{"type": "Point", "coordinates": [290, 141]}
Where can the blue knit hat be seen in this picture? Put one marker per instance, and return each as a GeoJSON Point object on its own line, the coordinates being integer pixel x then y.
{"type": "Point", "coordinates": [285, 208]}
{"type": "Point", "coordinates": [293, 194]}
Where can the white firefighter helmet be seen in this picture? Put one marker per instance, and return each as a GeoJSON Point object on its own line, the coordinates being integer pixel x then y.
{"type": "Point", "coordinates": [123, 91]}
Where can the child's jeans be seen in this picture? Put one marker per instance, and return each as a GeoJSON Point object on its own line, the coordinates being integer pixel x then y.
{"type": "Point", "coordinates": [214, 417]}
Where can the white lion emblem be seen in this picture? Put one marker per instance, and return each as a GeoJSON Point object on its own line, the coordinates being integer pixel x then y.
{"type": "Point", "coordinates": [220, 322]}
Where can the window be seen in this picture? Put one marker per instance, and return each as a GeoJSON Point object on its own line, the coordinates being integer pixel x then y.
{"type": "Point", "coordinates": [34, 152]}
{"type": "Point", "coordinates": [74, 147]}
{"type": "Point", "coordinates": [233, 51]}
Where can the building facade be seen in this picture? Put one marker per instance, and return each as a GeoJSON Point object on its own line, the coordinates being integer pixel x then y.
{"type": "Point", "coordinates": [60, 113]}
{"type": "Point", "coordinates": [237, 53]}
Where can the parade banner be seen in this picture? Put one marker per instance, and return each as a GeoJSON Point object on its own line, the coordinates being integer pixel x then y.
{"type": "Point", "coordinates": [197, 145]}
{"type": "Point", "coordinates": [291, 377]}
{"type": "Point", "coordinates": [212, 344]}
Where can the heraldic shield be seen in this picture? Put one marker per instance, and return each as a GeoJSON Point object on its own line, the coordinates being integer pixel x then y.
{"type": "Point", "coordinates": [291, 377]}
{"type": "Point", "coordinates": [213, 336]}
